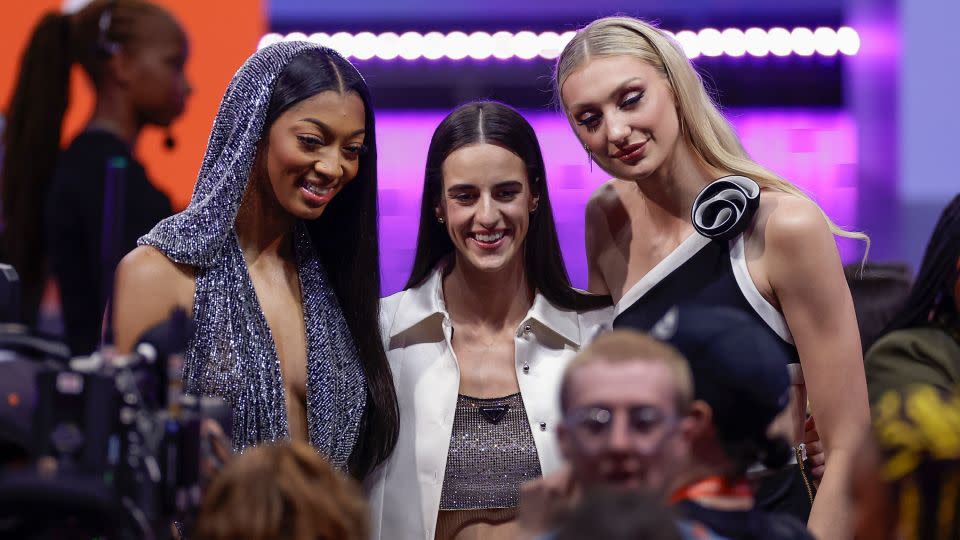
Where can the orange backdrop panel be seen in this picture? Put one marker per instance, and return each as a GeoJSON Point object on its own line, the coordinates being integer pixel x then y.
{"type": "Point", "coordinates": [222, 34]}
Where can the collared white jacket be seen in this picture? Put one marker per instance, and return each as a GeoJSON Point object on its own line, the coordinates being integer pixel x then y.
{"type": "Point", "coordinates": [405, 490]}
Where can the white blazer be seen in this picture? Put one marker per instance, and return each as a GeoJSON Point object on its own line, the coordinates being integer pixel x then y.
{"type": "Point", "coordinates": [405, 490]}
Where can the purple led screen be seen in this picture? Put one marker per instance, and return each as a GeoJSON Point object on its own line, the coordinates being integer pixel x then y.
{"type": "Point", "coordinates": [815, 149]}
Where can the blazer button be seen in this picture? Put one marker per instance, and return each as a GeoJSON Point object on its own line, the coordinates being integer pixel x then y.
{"type": "Point", "coordinates": [543, 426]}
{"type": "Point", "coordinates": [526, 369]}
{"type": "Point", "coordinates": [527, 329]}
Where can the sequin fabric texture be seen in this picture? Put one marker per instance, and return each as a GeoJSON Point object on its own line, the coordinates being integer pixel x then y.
{"type": "Point", "coordinates": [488, 461]}
{"type": "Point", "coordinates": [233, 354]}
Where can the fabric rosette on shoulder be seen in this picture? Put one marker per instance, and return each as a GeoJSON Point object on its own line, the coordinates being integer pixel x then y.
{"type": "Point", "coordinates": [725, 207]}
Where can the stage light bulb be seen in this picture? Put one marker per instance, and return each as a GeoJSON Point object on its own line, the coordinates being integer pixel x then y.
{"type": "Point", "coordinates": [758, 43]}
{"type": "Point", "coordinates": [711, 42]}
{"type": "Point", "coordinates": [780, 43]}
{"type": "Point", "coordinates": [802, 39]}
{"type": "Point", "coordinates": [848, 40]}
{"type": "Point", "coordinates": [690, 43]}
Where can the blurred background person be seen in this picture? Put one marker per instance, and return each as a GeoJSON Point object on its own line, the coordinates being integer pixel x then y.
{"type": "Point", "coordinates": [611, 514]}
{"type": "Point", "coordinates": [479, 338]}
{"type": "Point", "coordinates": [879, 291]}
{"type": "Point", "coordinates": [134, 53]}
{"type": "Point", "coordinates": [626, 425]}
{"type": "Point", "coordinates": [907, 484]}
{"type": "Point", "coordinates": [741, 385]}
{"type": "Point", "coordinates": [922, 342]}
{"type": "Point", "coordinates": [285, 491]}
{"type": "Point", "coordinates": [622, 429]}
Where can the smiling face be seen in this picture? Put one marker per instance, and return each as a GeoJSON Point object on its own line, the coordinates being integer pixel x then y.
{"type": "Point", "coordinates": [313, 151]}
{"type": "Point", "coordinates": [623, 111]}
{"type": "Point", "coordinates": [485, 203]}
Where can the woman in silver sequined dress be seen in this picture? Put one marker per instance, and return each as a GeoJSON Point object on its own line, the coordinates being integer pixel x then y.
{"type": "Point", "coordinates": [276, 259]}
{"type": "Point", "coordinates": [480, 337]}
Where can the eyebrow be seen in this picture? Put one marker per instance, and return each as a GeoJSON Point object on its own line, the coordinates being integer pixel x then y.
{"type": "Point", "coordinates": [578, 106]}
{"type": "Point", "coordinates": [505, 183]}
{"type": "Point", "coordinates": [320, 124]}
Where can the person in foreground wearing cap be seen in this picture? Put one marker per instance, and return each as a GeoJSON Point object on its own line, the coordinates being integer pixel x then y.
{"type": "Point", "coordinates": [741, 385]}
{"type": "Point", "coordinates": [625, 402]}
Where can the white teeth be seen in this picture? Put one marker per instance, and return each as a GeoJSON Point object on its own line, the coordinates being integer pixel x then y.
{"type": "Point", "coordinates": [489, 238]}
{"type": "Point", "coordinates": [315, 189]}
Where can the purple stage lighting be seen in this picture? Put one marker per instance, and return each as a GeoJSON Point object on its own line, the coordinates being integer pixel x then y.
{"type": "Point", "coordinates": [526, 45]}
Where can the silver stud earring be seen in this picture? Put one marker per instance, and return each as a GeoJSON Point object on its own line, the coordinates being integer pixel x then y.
{"type": "Point", "coordinates": [439, 219]}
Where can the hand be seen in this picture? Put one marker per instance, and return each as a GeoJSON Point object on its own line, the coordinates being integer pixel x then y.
{"type": "Point", "coordinates": [544, 502]}
{"type": "Point", "coordinates": [815, 453]}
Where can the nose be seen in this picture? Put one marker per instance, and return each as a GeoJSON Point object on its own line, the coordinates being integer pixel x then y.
{"type": "Point", "coordinates": [617, 128]}
{"type": "Point", "coordinates": [487, 212]}
{"type": "Point", "coordinates": [329, 167]}
{"type": "Point", "coordinates": [618, 439]}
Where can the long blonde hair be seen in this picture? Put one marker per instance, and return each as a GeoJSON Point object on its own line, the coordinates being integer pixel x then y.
{"type": "Point", "coordinates": [703, 126]}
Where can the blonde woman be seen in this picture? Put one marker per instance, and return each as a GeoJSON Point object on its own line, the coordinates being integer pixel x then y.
{"type": "Point", "coordinates": [689, 217]}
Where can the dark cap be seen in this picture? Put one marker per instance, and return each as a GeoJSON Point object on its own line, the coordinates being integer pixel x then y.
{"type": "Point", "coordinates": [739, 366]}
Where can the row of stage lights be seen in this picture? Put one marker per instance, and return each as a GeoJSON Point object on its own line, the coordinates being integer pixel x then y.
{"type": "Point", "coordinates": [526, 45]}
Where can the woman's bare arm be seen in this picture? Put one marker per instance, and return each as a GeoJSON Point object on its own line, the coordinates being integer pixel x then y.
{"type": "Point", "coordinates": [804, 270]}
{"type": "Point", "coordinates": [147, 288]}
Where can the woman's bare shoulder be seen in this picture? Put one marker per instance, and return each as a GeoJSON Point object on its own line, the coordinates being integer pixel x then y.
{"type": "Point", "coordinates": [607, 195]}
{"type": "Point", "coordinates": [783, 216]}
{"type": "Point", "coordinates": [147, 265]}
{"type": "Point", "coordinates": [148, 287]}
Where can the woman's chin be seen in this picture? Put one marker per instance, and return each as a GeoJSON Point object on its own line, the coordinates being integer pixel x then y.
{"type": "Point", "coordinates": [491, 263]}
{"type": "Point", "coordinates": [304, 211]}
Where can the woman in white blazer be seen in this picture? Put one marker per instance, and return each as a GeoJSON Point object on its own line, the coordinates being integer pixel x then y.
{"type": "Point", "coordinates": [480, 336]}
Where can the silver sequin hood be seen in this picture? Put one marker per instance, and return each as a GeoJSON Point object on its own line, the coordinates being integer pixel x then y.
{"type": "Point", "coordinates": [233, 354]}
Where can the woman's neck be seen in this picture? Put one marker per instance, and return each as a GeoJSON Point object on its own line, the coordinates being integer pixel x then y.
{"type": "Point", "coordinates": [114, 114]}
{"type": "Point", "coordinates": [263, 226]}
{"type": "Point", "coordinates": [497, 300]}
{"type": "Point", "coordinates": [669, 192]}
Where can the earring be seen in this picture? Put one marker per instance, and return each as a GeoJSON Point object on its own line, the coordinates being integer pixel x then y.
{"type": "Point", "coordinates": [439, 219]}
{"type": "Point", "coordinates": [589, 156]}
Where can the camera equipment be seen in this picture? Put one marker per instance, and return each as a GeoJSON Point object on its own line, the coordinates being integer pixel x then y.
{"type": "Point", "coordinates": [116, 446]}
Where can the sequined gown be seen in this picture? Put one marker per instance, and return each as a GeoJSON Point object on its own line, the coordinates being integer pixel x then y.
{"type": "Point", "coordinates": [233, 354]}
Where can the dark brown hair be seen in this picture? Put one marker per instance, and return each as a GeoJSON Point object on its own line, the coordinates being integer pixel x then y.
{"type": "Point", "coordinates": [931, 300]}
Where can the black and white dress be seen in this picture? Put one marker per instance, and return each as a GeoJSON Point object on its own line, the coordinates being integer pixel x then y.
{"type": "Point", "coordinates": [709, 268]}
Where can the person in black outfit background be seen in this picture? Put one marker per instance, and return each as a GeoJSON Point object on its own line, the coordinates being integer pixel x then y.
{"type": "Point", "coordinates": [134, 53]}
{"type": "Point", "coordinates": [741, 384]}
